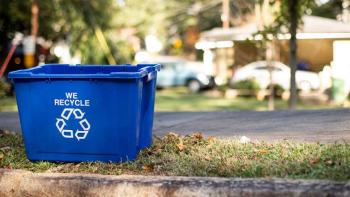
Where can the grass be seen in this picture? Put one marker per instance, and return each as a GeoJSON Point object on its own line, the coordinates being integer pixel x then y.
{"type": "Point", "coordinates": [178, 99]}
{"type": "Point", "coordinates": [8, 104]}
{"type": "Point", "coordinates": [198, 156]}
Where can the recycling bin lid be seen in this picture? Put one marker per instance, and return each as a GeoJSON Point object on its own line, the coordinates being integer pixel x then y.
{"type": "Point", "coordinates": [126, 71]}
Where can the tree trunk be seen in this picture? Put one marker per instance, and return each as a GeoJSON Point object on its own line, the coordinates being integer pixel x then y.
{"type": "Point", "coordinates": [293, 52]}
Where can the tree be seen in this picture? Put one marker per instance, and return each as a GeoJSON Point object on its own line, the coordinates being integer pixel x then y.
{"type": "Point", "coordinates": [294, 19]}
{"type": "Point", "coordinates": [331, 9]}
{"type": "Point", "coordinates": [288, 18]}
{"type": "Point", "coordinates": [73, 20]}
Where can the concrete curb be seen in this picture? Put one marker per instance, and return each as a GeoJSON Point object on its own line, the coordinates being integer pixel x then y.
{"type": "Point", "coordinates": [25, 183]}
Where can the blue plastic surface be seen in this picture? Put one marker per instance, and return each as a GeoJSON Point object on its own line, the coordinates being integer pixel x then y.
{"type": "Point", "coordinates": [86, 112]}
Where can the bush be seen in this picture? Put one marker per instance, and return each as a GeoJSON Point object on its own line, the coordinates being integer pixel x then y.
{"type": "Point", "coordinates": [5, 88]}
{"type": "Point", "coordinates": [247, 84]}
{"type": "Point", "coordinates": [278, 90]}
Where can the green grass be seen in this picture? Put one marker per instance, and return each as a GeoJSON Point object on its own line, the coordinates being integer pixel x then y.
{"type": "Point", "coordinates": [8, 104]}
{"type": "Point", "coordinates": [198, 156]}
{"type": "Point", "coordinates": [178, 99]}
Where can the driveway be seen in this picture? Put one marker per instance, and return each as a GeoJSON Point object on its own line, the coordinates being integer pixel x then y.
{"type": "Point", "coordinates": [302, 125]}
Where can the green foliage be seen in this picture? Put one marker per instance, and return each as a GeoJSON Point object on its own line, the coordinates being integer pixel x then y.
{"type": "Point", "coordinates": [145, 17]}
{"type": "Point", "coordinates": [8, 104]}
{"type": "Point", "coordinates": [5, 88]}
{"type": "Point", "coordinates": [278, 90]}
{"type": "Point", "coordinates": [247, 84]}
{"type": "Point", "coordinates": [73, 20]}
{"type": "Point", "coordinates": [14, 15]}
{"type": "Point", "coordinates": [282, 17]}
{"type": "Point", "coordinates": [331, 9]}
{"type": "Point", "coordinates": [195, 155]}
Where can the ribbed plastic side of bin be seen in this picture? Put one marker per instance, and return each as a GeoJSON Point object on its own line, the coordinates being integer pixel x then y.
{"type": "Point", "coordinates": [86, 113]}
{"type": "Point", "coordinates": [147, 112]}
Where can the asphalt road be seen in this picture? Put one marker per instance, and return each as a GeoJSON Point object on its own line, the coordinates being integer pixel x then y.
{"type": "Point", "coordinates": [311, 125]}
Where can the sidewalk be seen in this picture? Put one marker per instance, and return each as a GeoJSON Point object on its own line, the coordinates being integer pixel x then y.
{"type": "Point", "coordinates": [24, 183]}
{"type": "Point", "coordinates": [304, 125]}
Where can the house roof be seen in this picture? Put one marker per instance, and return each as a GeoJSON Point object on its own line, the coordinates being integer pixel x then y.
{"type": "Point", "coordinates": [313, 27]}
{"type": "Point", "coordinates": [315, 24]}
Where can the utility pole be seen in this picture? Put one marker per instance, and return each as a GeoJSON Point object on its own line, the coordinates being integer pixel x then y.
{"type": "Point", "coordinates": [263, 18]}
{"type": "Point", "coordinates": [270, 68]}
{"type": "Point", "coordinates": [29, 42]}
{"type": "Point", "coordinates": [35, 19]}
{"type": "Point", "coordinates": [225, 16]}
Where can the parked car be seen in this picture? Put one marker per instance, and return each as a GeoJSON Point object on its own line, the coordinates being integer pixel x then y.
{"type": "Point", "coordinates": [258, 71]}
{"type": "Point", "coordinates": [177, 72]}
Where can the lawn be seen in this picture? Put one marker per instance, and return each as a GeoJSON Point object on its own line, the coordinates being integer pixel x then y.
{"type": "Point", "coordinates": [194, 155]}
{"type": "Point", "coordinates": [8, 104]}
{"type": "Point", "coordinates": [178, 99]}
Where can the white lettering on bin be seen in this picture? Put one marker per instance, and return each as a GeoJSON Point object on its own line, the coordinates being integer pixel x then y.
{"type": "Point", "coordinates": [71, 102]}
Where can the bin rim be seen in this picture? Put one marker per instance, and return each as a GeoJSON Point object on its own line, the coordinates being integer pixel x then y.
{"type": "Point", "coordinates": [142, 71]}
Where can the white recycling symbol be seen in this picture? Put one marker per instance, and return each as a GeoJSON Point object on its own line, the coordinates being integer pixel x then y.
{"type": "Point", "coordinates": [79, 116]}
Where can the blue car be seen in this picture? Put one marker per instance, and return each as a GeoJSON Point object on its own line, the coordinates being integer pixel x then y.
{"type": "Point", "coordinates": [184, 73]}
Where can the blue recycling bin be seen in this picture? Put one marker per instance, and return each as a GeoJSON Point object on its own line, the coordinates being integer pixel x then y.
{"type": "Point", "coordinates": [86, 112]}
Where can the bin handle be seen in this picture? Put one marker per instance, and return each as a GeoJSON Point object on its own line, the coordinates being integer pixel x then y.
{"type": "Point", "coordinates": [151, 67]}
{"type": "Point", "coordinates": [150, 76]}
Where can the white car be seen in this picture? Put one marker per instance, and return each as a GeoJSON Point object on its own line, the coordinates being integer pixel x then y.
{"type": "Point", "coordinates": [305, 80]}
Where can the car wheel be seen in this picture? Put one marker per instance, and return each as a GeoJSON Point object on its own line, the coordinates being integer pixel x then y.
{"type": "Point", "coordinates": [194, 86]}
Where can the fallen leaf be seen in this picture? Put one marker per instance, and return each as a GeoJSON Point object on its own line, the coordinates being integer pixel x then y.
{"type": "Point", "coordinates": [314, 161]}
{"type": "Point", "coordinates": [148, 168]}
{"type": "Point", "coordinates": [5, 132]}
{"type": "Point", "coordinates": [5, 149]}
{"type": "Point", "coordinates": [77, 166]}
{"type": "Point", "coordinates": [156, 150]}
{"type": "Point", "coordinates": [329, 162]}
{"type": "Point", "coordinates": [211, 138]}
{"type": "Point", "coordinates": [198, 135]}
{"type": "Point", "coordinates": [207, 158]}
{"type": "Point", "coordinates": [263, 151]}
{"type": "Point", "coordinates": [173, 134]}
{"type": "Point", "coordinates": [180, 146]}
{"type": "Point", "coordinates": [172, 137]}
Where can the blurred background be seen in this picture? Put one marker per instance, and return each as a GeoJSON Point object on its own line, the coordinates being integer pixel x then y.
{"type": "Point", "coordinates": [215, 54]}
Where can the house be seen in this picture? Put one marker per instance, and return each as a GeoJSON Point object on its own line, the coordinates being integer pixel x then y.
{"type": "Point", "coordinates": [226, 49]}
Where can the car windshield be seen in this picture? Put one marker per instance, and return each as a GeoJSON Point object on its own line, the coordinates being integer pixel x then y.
{"type": "Point", "coordinates": [266, 68]}
{"type": "Point", "coordinates": [171, 65]}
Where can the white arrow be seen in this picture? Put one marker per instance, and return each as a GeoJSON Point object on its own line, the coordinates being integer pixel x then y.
{"type": "Point", "coordinates": [84, 124]}
{"type": "Point", "coordinates": [82, 136]}
{"type": "Point", "coordinates": [60, 124]}
{"type": "Point", "coordinates": [67, 133]}
{"type": "Point", "coordinates": [66, 113]}
{"type": "Point", "coordinates": [78, 114]}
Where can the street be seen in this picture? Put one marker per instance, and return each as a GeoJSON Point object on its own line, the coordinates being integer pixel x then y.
{"type": "Point", "coordinates": [302, 125]}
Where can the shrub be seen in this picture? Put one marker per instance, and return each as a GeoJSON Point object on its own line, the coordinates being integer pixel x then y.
{"type": "Point", "coordinates": [247, 84]}
{"type": "Point", "coordinates": [5, 88]}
